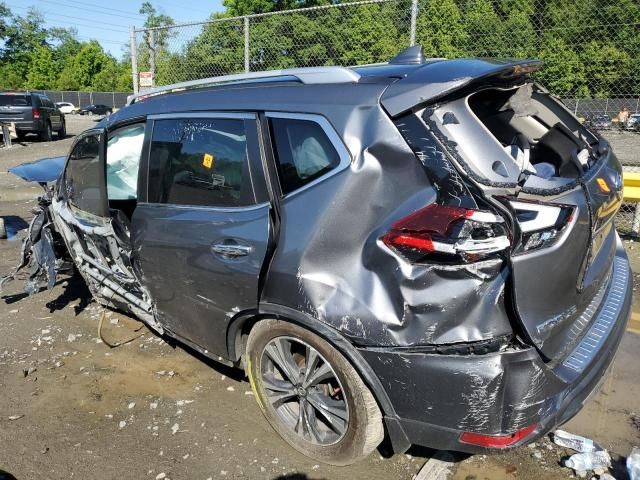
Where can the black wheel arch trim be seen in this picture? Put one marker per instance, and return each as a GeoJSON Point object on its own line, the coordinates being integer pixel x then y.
{"type": "Point", "coordinates": [399, 440]}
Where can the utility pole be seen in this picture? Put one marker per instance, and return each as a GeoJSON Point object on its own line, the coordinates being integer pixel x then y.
{"type": "Point", "coordinates": [134, 57]}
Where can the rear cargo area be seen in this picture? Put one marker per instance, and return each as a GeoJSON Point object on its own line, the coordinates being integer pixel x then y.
{"type": "Point", "coordinates": [559, 185]}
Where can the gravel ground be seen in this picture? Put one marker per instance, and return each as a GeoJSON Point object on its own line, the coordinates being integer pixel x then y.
{"type": "Point", "coordinates": [71, 407]}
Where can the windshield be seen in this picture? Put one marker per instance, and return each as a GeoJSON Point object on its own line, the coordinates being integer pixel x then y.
{"type": "Point", "coordinates": [9, 100]}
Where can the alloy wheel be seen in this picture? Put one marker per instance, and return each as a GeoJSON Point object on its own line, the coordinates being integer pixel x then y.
{"type": "Point", "coordinates": [304, 391]}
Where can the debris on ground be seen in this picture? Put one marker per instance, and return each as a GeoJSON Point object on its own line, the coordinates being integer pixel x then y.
{"type": "Point", "coordinates": [590, 456]}
{"type": "Point", "coordinates": [598, 461]}
{"type": "Point", "coordinates": [574, 442]}
{"type": "Point", "coordinates": [16, 417]}
{"type": "Point", "coordinates": [633, 464]}
{"type": "Point", "coordinates": [438, 467]}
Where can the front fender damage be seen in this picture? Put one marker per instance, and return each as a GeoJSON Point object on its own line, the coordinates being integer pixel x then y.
{"type": "Point", "coordinates": [100, 251]}
{"type": "Point", "coordinates": [38, 253]}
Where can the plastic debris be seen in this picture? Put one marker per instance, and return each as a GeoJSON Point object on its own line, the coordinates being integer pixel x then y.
{"type": "Point", "coordinates": [581, 462]}
{"type": "Point", "coordinates": [574, 442]}
{"type": "Point", "coordinates": [633, 464]}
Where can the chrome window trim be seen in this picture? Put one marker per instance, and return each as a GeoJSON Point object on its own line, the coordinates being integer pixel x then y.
{"type": "Point", "coordinates": [332, 135]}
{"type": "Point", "coordinates": [189, 115]}
{"type": "Point", "coordinates": [208, 208]}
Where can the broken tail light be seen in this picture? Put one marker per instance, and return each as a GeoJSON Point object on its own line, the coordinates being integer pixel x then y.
{"type": "Point", "coordinates": [497, 441]}
{"type": "Point", "coordinates": [541, 224]}
{"type": "Point", "coordinates": [36, 113]}
{"type": "Point", "coordinates": [446, 233]}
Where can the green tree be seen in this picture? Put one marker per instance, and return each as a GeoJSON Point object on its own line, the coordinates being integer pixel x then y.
{"type": "Point", "coordinates": [484, 30]}
{"type": "Point", "coordinates": [440, 29]}
{"type": "Point", "coordinates": [42, 69]}
{"type": "Point", "coordinates": [563, 72]}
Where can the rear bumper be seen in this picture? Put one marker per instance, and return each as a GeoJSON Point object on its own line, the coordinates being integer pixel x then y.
{"type": "Point", "coordinates": [439, 397]}
{"type": "Point", "coordinates": [28, 126]}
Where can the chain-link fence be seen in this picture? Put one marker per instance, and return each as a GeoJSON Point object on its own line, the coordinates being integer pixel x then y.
{"type": "Point", "coordinates": [591, 49]}
{"type": "Point", "coordinates": [83, 99]}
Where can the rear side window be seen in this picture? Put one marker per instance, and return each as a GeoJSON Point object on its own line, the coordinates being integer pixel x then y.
{"type": "Point", "coordinates": [83, 176]}
{"type": "Point", "coordinates": [201, 162]}
{"type": "Point", "coordinates": [15, 100]}
{"type": "Point", "coordinates": [303, 152]}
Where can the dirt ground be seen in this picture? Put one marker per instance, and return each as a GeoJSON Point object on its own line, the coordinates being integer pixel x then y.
{"type": "Point", "coordinates": [71, 407]}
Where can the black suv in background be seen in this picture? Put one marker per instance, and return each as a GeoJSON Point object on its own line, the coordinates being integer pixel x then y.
{"type": "Point", "coordinates": [32, 113]}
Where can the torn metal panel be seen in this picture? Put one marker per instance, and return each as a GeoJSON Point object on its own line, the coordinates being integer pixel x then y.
{"type": "Point", "coordinates": [38, 253]}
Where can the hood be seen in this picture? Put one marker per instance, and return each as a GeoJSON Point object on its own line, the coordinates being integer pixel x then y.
{"type": "Point", "coordinates": [435, 80]}
{"type": "Point", "coordinates": [42, 171]}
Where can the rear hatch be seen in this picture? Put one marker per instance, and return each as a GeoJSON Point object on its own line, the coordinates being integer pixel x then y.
{"type": "Point", "coordinates": [528, 157]}
{"type": "Point", "coordinates": [558, 288]}
{"type": "Point", "coordinates": [15, 107]}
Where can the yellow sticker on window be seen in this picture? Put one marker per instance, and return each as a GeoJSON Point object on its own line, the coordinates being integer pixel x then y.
{"type": "Point", "coordinates": [207, 161]}
{"type": "Point", "coordinates": [603, 185]}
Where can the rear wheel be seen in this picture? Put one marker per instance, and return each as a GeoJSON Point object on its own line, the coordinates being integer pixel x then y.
{"type": "Point", "coordinates": [311, 395]}
{"type": "Point", "coordinates": [45, 135]}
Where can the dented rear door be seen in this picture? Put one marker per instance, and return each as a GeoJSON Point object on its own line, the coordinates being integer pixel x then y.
{"type": "Point", "coordinates": [201, 235]}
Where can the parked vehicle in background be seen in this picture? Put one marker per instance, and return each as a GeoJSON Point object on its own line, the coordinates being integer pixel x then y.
{"type": "Point", "coordinates": [98, 109]}
{"type": "Point", "coordinates": [32, 113]}
{"type": "Point", "coordinates": [66, 107]}
{"type": "Point", "coordinates": [634, 122]}
{"type": "Point", "coordinates": [600, 122]}
{"type": "Point", "coordinates": [424, 248]}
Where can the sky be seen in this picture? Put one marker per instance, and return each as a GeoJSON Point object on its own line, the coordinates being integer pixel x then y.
{"type": "Point", "coordinates": [109, 21]}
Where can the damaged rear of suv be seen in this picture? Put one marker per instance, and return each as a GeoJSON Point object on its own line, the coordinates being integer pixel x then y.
{"type": "Point", "coordinates": [423, 249]}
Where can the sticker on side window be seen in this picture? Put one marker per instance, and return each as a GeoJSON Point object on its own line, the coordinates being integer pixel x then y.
{"type": "Point", "coordinates": [207, 161]}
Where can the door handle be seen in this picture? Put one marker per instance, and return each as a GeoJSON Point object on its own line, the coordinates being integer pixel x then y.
{"type": "Point", "coordinates": [231, 249]}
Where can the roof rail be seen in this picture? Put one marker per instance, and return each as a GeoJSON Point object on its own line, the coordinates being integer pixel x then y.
{"type": "Point", "coordinates": [309, 76]}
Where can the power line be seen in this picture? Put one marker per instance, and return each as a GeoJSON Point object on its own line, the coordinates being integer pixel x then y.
{"type": "Point", "coordinates": [121, 29]}
{"type": "Point", "coordinates": [74, 4]}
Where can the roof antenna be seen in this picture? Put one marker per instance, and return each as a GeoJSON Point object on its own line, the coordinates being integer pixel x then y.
{"type": "Point", "coordinates": [409, 56]}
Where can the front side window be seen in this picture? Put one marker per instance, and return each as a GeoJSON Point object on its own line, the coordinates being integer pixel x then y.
{"type": "Point", "coordinates": [303, 152]}
{"type": "Point", "coordinates": [124, 149]}
{"type": "Point", "coordinates": [83, 175]}
{"type": "Point", "coordinates": [199, 161]}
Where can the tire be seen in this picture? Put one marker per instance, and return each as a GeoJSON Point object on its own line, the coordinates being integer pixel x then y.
{"type": "Point", "coordinates": [62, 133]}
{"type": "Point", "coordinates": [46, 135]}
{"type": "Point", "coordinates": [21, 136]}
{"type": "Point", "coordinates": [357, 430]}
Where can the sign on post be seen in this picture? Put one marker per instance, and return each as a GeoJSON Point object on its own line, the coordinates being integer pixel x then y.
{"type": "Point", "coordinates": [146, 79]}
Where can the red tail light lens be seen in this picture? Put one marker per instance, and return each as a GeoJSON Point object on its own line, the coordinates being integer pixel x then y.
{"type": "Point", "coordinates": [449, 233]}
{"type": "Point", "coordinates": [36, 113]}
{"type": "Point", "coordinates": [497, 441]}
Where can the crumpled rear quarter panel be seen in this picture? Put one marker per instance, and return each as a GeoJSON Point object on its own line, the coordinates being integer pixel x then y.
{"type": "Point", "coordinates": [331, 264]}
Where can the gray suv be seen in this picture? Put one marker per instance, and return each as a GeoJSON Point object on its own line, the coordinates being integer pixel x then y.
{"type": "Point", "coordinates": [32, 113]}
{"type": "Point", "coordinates": [422, 250]}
